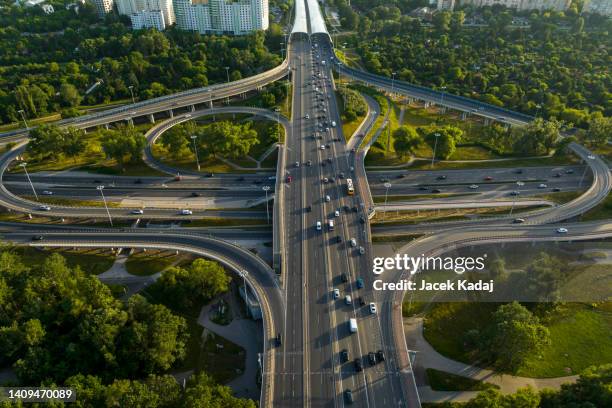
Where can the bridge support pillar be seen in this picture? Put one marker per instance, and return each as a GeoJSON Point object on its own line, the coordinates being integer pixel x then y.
{"type": "Point", "coordinates": [210, 104]}
{"type": "Point", "coordinates": [442, 109]}
{"type": "Point", "coordinates": [487, 121]}
{"type": "Point", "coordinates": [193, 108]}
{"type": "Point", "coordinates": [106, 126]}
{"type": "Point", "coordinates": [152, 118]}
{"type": "Point", "coordinates": [426, 105]}
{"type": "Point", "coordinates": [171, 113]}
{"type": "Point", "coordinates": [130, 121]}
{"type": "Point", "coordinates": [463, 115]}
{"type": "Point", "coordinates": [506, 126]}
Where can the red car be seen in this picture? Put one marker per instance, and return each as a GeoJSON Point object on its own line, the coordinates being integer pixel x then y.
{"type": "Point", "coordinates": [289, 178]}
{"type": "Point", "coordinates": [488, 178]}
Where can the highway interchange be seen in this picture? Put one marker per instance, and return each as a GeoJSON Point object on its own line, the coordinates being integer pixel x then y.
{"type": "Point", "coordinates": [305, 327]}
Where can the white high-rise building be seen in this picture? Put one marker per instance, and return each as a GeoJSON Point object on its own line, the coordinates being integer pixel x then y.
{"type": "Point", "coordinates": [103, 7]}
{"type": "Point", "coordinates": [558, 5]}
{"type": "Point", "coordinates": [221, 16]}
{"type": "Point", "coordinates": [146, 13]}
{"type": "Point", "coordinates": [603, 7]}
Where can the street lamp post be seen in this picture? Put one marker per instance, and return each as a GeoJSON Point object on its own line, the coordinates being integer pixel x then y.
{"type": "Point", "coordinates": [25, 122]}
{"type": "Point", "coordinates": [266, 189]}
{"type": "Point", "coordinates": [100, 188]}
{"type": "Point", "coordinates": [442, 95]}
{"type": "Point", "coordinates": [131, 88]}
{"type": "Point", "coordinates": [29, 179]}
{"type": "Point", "coordinates": [195, 149]}
{"type": "Point", "coordinates": [227, 73]}
{"type": "Point", "coordinates": [387, 187]}
{"type": "Point", "coordinates": [433, 157]}
{"type": "Point", "coordinates": [519, 185]}
{"type": "Point", "coordinates": [277, 110]}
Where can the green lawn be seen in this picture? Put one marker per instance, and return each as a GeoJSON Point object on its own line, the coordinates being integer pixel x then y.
{"type": "Point", "coordinates": [70, 202]}
{"type": "Point", "coordinates": [91, 261]}
{"type": "Point", "coordinates": [348, 128]}
{"type": "Point", "coordinates": [512, 163]}
{"type": "Point", "coordinates": [392, 198]}
{"type": "Point", "coordinates": [149, 263]}
{"type": "Point", "coordinates": [223, 363]}
{"type": "Point", "coordinates": [443, 381]}
{"type": "Point", "coordinates": [227, 222]}
{"type": "Point", "coordinates": [603, 211]}
{"type": "Point", "coordinates": [580, 336]}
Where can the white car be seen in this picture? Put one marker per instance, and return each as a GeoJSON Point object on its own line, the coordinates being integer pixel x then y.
{"type": "Point", "coordinates": [373, 308]}
{"type": "Point", "coordinates": [47, 192]}
{"type": "Point", "coordinates": [361, 250]}
{"type": "Point", "coordinates": [137, 212]}
{"type": "Point", "coordinates": [322, 147]}
{"type": "Point", "coordinates": [325, 180]}
{"type": "Point", "coordinates": [44, 208]}
{"type": "Point", "coordinates": [297, 164]}
{"type": "Point", "coordinates": [336, 213]}
{"type": "Point", "coordinates": [353, 242]}
{"type": "Point", "coordinates": [348, 300]}
{"type": "Point", "coordinates": [474, 186]}
{"type": "Point", "coordinates": [319, 226]}
{"type": "Point", "coordinates": [336, 293]}
{"type": "Point", "coordinates": [542, 186]}
{"type": "Point", "coordinates": [562, 230]}
{"type": "Point", "coordinates": [186, 212]}
{"type": "Point", "coordinates": [327, 199]}
{"type": "Point", "coordinates": [307, 116]}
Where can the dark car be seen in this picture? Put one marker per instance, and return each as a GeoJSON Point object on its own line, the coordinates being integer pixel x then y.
{"type": "Point", "coordinates": [556, 189]}
{"type": "Point", "coordinates": [329, 159]}
{"type": "Point", "coordinates": [362, 219]}
{"type": "Point", "coordinates": [37, 238]}
{"type": "Point", "coordinates": [240, 179]}
{"type": "Point", "coordinates": [557, 175]}
{"type": "Point", "coordinates": [359, 283]}
{"type": "Point", "coordinates": [358, 365]}
{"type": "Point", "coordinates": [344, 276]}
{"type": "Point", "coordinates": [195, 194]}
{"type": "Point", "coordinates": [441, 178]}
{"type": "Point", "coordinates": [257, 182]}
{"type": "Point", "coordinates": [344, 355]}
{"type": "Point", "coordinates": [423, 188]}
{"type": "Point", "coordinates": [355, 209]}
{"type": "Point", "coordinates": [210, 175]}
{"type": "Point", "coordinates": [518, 171]}
{"type": "Point", "coordinates": [332, 180]}
{"type": "Point", "coordinates": [348, 396]}
{"type": "Point", "coordinates": [309, 208]}
{"type": "Point", "coordinates": [138, 181]}
{"type": "Point", "coordinates": [569, 171]}
{"type": "Point", "coordinates": [436, 191]}
{"type": "Point", "coordinates": [361, 301]}
{"type": "Point", "coordinates": [372, 358]}
{"type": "Point", "coordinates": [279, 340]}
{"type": "Point", "coordinates": [400, 176]}
{"type": "Point", "coordinates": [380, 355]}
{"type": "Point", "coordinates": [338, 239]}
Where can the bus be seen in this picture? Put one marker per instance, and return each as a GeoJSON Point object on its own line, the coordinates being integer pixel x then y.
{"type": "Point", "coordinates": [349, 187]}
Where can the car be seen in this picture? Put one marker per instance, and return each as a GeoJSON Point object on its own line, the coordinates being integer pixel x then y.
{"type": "Point", "coordinates": [138, 181]}
{"type": "Point", "coordinates": [210, 175]}
{"type": "Point", "coordinates": [515, 193]}
{"type": "Point", "coordinates": [341, 175]}
{"type": "Point", "coordinates": [360, 283]}
{"type": "Point", "coordinates": [348, 396]}
{"type": "Point", "coordinates": [518, 220]}
{"type": "Point", "coordinates": [401, 176]}
{"type": "Point", "coordinates": [309, 163]}
{"type": "Point", "coordinates": [297, 164]}
{"type": "Point", "coordinates": [318, 226]}
{"type": "Point", "coordinates": [590, 156]}
{"type": "Point", "coordinates": [562, 230]}
{"type": "Point", "coordinates": [358, 365]}
{"type": "Point", "coordinates": [542, 185]}
{"type": "Point", "coordinates": [279, 340]}
{"type": "Point", "coordinates": [327, 199]}
{"type": "Point", "coordinates": [137, 212]}
{"type": "Point", "coordinates": [325, 180]}
{"type": "Point", "coordinates": [569, 171]}
{"type": "Point", "coordinates": [556, 190]}
{"type": "Point", "coordinates": [423, 188]}
{"type": "Point", "coordinates": [307, 116]}
{"type": "Point", "coordinates": [518, 171]}
{"type": "Point", "coordinates": [355, 209]}
{"type": "Point", "coordinates": [362, 219]}
{"type": "Point", "coordinates": [37, 238]}
{"type": "Point", "coordinates": [361, 250]}
{"type": "Point", "coordinates": [344, 355]}
{"type": "Point", "coordinates": [557, 175]}
{"type": "Point", "coordinates": [195, 194]}
{"type": "Point", "coordinates": [348, 300]}
{"type": "Point", "coordinates": [372, 358]}
{"type": "Point", "coordinates": [373, 309]}
{"type": "Point", "coordinates": [329, 159]}
{"type": "Point", "coordinates": [323, 164]}
{"type": "Point", "coordinates": [353, 242]}
{"type": "Point", "coordinates": [336, 293]}
{"type": "Point", "coordinates": [344, 277]}
{"type": "Point", "coordinates": [474, 186]}
{"type": "Point", "coordinates": [361, 301]}
{"type": "Point", "coordinates": [322, 147]}
{"type": "Point", "coordinates": [289, 179]}
{"type": "Point", "coordinates": [339, 239]}
{"type": "Point", "coordinates": [44, 208]}
{"type": "Point", "coordinates": [241, 178]}
{"type": "Point", "coordinates": [436, 191]}
{"type": "Point", "coordinates": [332, 180]}
{"type": "Point", "coordinates": [336, 213]}
{"type": "Point", "coordinates": [47, 192]}
{"type": "Point", "coordinates": [380, 355]}
{"type": "Point", "coordinates": [488, 178]}
{"type": "Point", "coordinates": [441, 178]}
{"type": "Point", "coordinates": [309, 208]}
{"type": "Point", "coordinates": [386, 180]}
{"type": "Point", "coordinates": [186, 212]}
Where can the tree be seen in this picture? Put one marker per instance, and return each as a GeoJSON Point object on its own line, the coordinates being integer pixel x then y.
{"type": "Point", "coordinates": [538, 137]}
{"type": "Point", "coordinates": [599, 131]}
{"type": "Point", "coordinates": [441, 21]}
{"type": "Point", "coordinates": [51, 141]}
{"type": "Point", "coordinates": [124, 145]}
{"type": "Point", "coordinates": [406, 140]}
{"type": "Point", "coordinates": [226, 139]}
{"type": "Point", "coordinates": [177, 139]}
{"type": "Point", "coordinates": [442, 138]}
{"type": "Point", "coordinates": [69, 95]}
{"type": "Point", "coordinates": [514, 335]}
{"type": "Point", "coordinates": [201, 391]}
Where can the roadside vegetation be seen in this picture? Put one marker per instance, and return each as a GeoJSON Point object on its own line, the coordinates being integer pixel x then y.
{"type": "Point", "coordinates": [442, 381]}
{"type": "Point", "coordinates": [353, 110]}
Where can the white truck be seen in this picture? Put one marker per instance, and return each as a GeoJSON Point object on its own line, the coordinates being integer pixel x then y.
{"type": "Point", "coordinates": [353, 325]}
